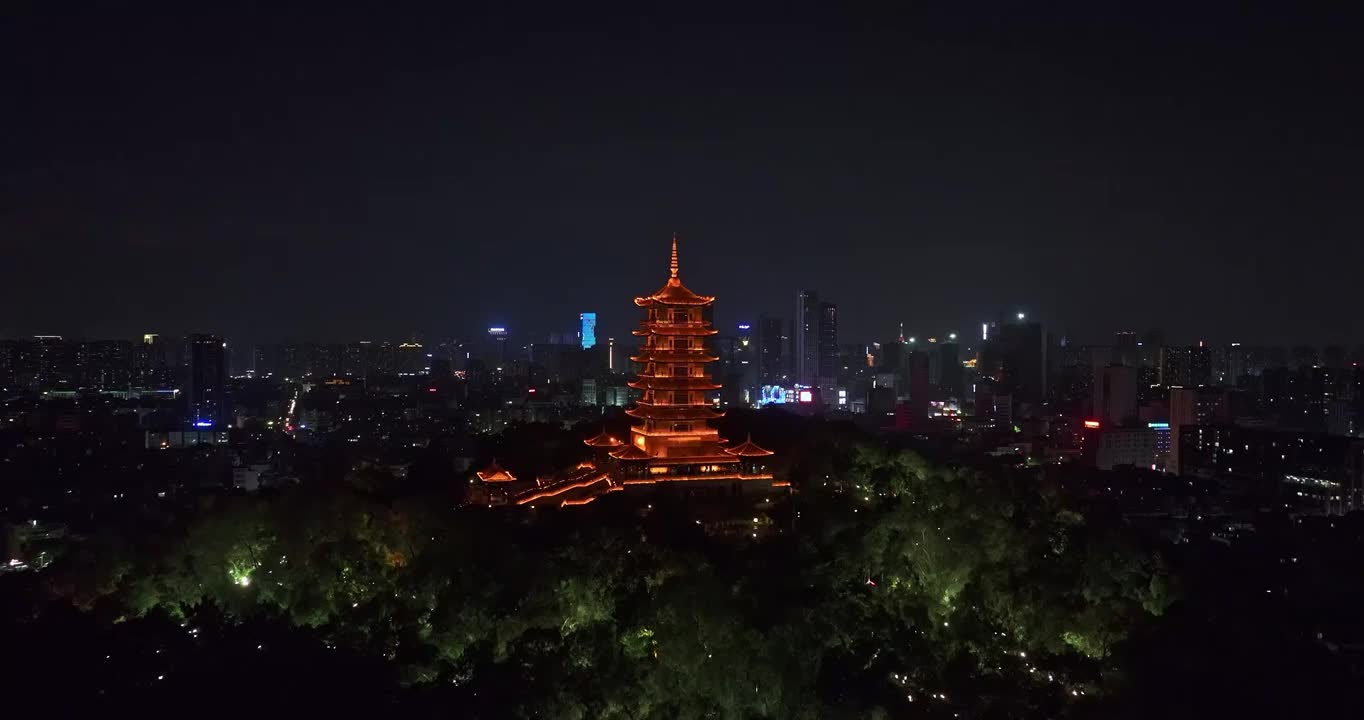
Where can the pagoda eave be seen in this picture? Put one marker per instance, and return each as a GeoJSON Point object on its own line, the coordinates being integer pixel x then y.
{"type": "Point", "coordinates": [677, 331]}
{"type": "Point", "coordinates": [673, 358]}
{"type": "Point", "coordinates": [648, 412]}
{"type": "Point", "coordinates": [651, 383]}
{"type": "Point", "coordinates": [694, 459]}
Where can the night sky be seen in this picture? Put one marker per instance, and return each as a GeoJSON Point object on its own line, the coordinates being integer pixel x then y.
{"type": "Point", "coordinates": [335, 174]}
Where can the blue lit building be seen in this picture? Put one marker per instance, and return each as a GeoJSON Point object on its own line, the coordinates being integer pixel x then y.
{"type": "Point", "coordinates": [588, 333]}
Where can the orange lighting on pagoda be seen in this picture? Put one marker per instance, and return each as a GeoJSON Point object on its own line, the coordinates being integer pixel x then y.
{"type": "Point", "coordinates": [672, 434]}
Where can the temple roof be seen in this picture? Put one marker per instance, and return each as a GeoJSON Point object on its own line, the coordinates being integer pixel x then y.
{"type": "Point", "coordinates": [651, 382]}
{"type": "Point", "coordinates": [674, 412]}
{"type": "Point", "coordinates": [674, 292]}
{"type": "Point", "coordinates": [748, 448]}
{"type": "Point", "coordinates": [673, 330]}
{"type": "Point", "coordinates": [675, 356]}
{"type": "Point", "coordinates": [495, 473]}
{"type": "Point", "coordinates": [717, 459]}
{"type": "Point", "coordinates": [630, 452]}
{"type": "Point", "coordinates": [603, 440]}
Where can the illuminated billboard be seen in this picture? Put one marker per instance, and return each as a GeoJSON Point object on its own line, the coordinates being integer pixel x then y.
{"type": "Point", "coordinates": [773, 395]}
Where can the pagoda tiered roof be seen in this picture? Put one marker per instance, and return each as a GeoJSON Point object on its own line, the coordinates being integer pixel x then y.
{"type": "Point", "coordinates": [674, 292]}
{"type": "Point", "coordinates": [674, 412]}
{"type": "Point", "coordinates": [748, 448]}
{"type": "Point", "coordinates": [603, 440]}
{"type": "Point", "coordinates": [673, 330]}
{"type": "Point", "coordinates": [630, 452]}
{"type": "Point", "coordinates": [495, 473]}
{"type": "Point", "coordinates": [660, 382]}
{"type": "Point", "coordinates": [675, 356]}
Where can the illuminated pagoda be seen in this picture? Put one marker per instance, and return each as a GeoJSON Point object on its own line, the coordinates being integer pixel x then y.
{"type": "Point", "coordinates": [672, 440]}
{"type": "Point", "coordinates": [494, 485]}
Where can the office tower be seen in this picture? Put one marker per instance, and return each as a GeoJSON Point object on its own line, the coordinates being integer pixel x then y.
{"type": "Point", "coordinates": [1186, 366]}
{"type": "Point", "coordinates": [746, 365]}
{"type": "Point", "coordinates": [829, 364]}
{"type": "Point", "coordinates": [495, 350]}
{"type": "Point", "coordinates": [1022, 347]}
{"type": "Point", "coordinates": [1148, 352]}
{"type": "Point", "coordinates": [806, 338]}
{"type": "Point", "coordinates": [949, 367]}
{"type": "Point", "coordinates": [1115, 395]}
{"type": "Point", "coordinates": [770, 351]}
{"type": "Point", "coordinates": [413, 359]}
{"type": "Point", "coordinates": [1126, 350]}
{"type": "Point", "coordinates": [587, 332]}
{"type": "Point", "coordinates": [54, 362]}
{"type": "Point", "coordinates": [107, 363]}
{"type": "Point", "coordinates": [920, 389]}
{"type": "Point", "coordinates": [206, 392]}
{"type": "Point", "coordinates": [1183, 413]}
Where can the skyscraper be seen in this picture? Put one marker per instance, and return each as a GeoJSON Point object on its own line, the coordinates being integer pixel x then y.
{"type": "Point", "coordinates": [1125, 349]}
{"type": "Point", "coordinates": [770, 352]}
{"type": "Point", "coordinates": [828, 341]}
{"type": "Point", "coordinates": [1023, 349]}
{"type": "Point", "coordinates": [806, 339]}
{"type": "Point", "coordinates": [587, 334]}
{"type": "Point", "coordinates": [1186, 366]}
{"type": "Point", "coordinates": [1115, 395]}
{"type": "Point", "coordinates": [207, 388]}
{"type": "Point", "coordinates": [949, 367]}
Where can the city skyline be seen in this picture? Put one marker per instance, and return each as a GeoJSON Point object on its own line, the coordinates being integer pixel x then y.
{"type": "Point", "coordinates": [349, 369]}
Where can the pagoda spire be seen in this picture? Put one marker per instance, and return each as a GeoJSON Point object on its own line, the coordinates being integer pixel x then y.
{"type": "Point", "coordinates": [672, 265]}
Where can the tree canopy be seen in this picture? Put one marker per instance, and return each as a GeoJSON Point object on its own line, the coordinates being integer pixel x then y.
{"type": "Point", "coordinates": [903, 587]}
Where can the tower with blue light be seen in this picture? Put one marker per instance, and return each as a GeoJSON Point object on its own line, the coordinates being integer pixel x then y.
{"type": "Point", "coordinates": [588, 331]}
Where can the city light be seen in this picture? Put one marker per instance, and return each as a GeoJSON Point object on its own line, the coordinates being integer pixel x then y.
{"type": "Point", "coordinates": [1092, 424]}
{"type": "Point", "coordinates": [1021, 316]}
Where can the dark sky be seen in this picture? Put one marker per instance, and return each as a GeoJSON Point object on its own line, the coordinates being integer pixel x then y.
{"type": "Point", "coordinates": [336, 174]}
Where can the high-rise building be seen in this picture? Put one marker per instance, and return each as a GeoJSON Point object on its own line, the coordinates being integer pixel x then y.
{"type": "Point", "coordinates": [206, 392]}
{"type": "Point", "coordinates": [1186, 366]}
{"type": "Point", "coordinates": [1115, 395]}
{"type": "Point", "coordinates": [806, 340]}
{"type": "Point", "coordinates": [54, 362]}
{"type": "Point", "coordinates": [949, 367]}
{"type": "Point", "coordinates": [1022, 346]}
{"type": "Point", "coordinates": [107, 363]}
{"type": "Point", "coordinates": [495, 351]}
{"type": "Point", "coordinates": [770, 352]}
{"type": "Point", "coordinates": [828, 340]}
{"type": "Point", "coordinates": [587, 333]}
{"type": "Point", "coordinates": [1183, 413]}
{"type": "Point", "coordinates": [1125, 349]}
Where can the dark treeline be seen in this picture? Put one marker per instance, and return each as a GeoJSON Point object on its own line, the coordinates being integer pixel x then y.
{"type": "Point", "coordinates": [899, 589]}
